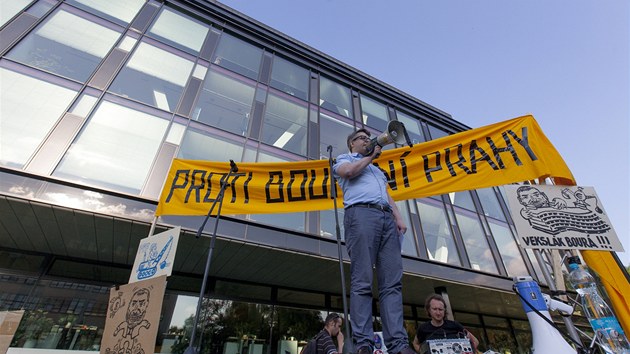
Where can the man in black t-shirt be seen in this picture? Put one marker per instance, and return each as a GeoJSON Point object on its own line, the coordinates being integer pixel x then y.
{"type": "Point", "coordinates": [439, 327]}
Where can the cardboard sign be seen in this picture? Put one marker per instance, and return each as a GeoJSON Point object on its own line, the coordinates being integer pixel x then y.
{"type": "Point", "coordinates": [133, 317]}
{"type": "Point", "coordinates": [9, 322]}
{"type": "Point", "coordinates": [561, 217]}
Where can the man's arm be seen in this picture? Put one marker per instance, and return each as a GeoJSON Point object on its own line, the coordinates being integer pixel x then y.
{"type": "Point", "coordinates": [416, 344]}
{"type": "Point", "coordinates": [352, 169]}
{"type": "Point", "coordinates": [473, 339]}
{"type": "Point", "coordinates": [340, 342]}
{"type": "Point", "coordinates": [400, 222]}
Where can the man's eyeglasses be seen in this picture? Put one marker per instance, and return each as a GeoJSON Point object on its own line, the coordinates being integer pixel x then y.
{"type": "Point", "coordinates": [362, 137]}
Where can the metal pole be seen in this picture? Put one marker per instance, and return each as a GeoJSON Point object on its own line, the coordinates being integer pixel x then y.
{"type": "Point", "coordinates": [552, 286]}
{"type": "Point", "coordinates": [226, 182]}
{"type": "Point", "coordinates": [333, 194]}
{"type": "Point", "coordinates": [152, 229]}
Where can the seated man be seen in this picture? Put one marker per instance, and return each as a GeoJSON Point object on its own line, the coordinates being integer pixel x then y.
{"type": "Point", "coordinates": [323, 343]}
{"type": "Point", "coordinates": [439, 327]}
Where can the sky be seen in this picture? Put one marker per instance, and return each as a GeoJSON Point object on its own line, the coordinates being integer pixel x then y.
{"type": "Point", "coordinates": [566, 62]}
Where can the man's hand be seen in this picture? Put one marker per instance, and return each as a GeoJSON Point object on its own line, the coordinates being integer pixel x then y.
{"type": "Point", "coordinates": [400, 224]}
{"type": "Point", "coordinates": [377, 152]}
{"type": "Point", "coordinates": [559, 203]}
{"type": "Point", "coordinates": [340, 342]}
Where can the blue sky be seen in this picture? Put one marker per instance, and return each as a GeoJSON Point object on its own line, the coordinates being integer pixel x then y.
{"type": "Point", "coordinates": [566, 62]}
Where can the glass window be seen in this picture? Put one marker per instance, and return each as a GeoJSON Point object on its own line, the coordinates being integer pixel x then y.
{"type": "Point", "coordinates": [67, 45]}
{"type": "Point", "coordinates": [24, 126]}
{"type": "Point", "coordinates": [176, 133]}
{"type": "Point", "coordinates": [241, 327]}
{"type": "Point", "coordinates": [8, 9]}
{"type": "Point", "coordinates": [408, 244]}
{"type": "Point", "coordinates": [153, 76]}
{"type": "Point", "coordinates": [525, 340]}
{"type": "Point", "coordinates": [508, 249]}
{"type": "Point", "coordinates": [285, 124]}
{"type": "Point", "coordinates": [201, 145]}
{"type": "Point", "coordinates": [412, 126]}
{"type": "Point", "coordinates": [238, 56]}
{"type": "Point", "coordinates": [59, 314]}
{"type": "Point", "coordinates": [301, 297]}
{"type": "Point", "coordinates": [225, 103]}
{"type": "Point", "coordinates": [265, 156]}
{"type": "Point", "coordinates": [437, 232]}
{"type": "Point", "coordinates": [179, 31]}
{"type": "Point", "coordinates": [335, 133]}
{"type": "Point", "coordinates": [250, 153]}
{"type": "Point", "coordinates": [20, 262]}
{"type": "Point", "coordinates": [501, 341]}
{"type": "Point", "coordinates": [289, 78]}
{"type": "Point", "coordinates": [537, 269]}
{"type": "Point", "coordinates": [115, 149]}
{"type": "Point", "coordinates": [119, 11]}
{"type": "Point", "coordinates": [83, 105]}
{"type": "Point", "coordinates": [462, 199]}
{"type": "Point", "coordinates": [334, 97]}
{"type": "Point", "coordinates": [328, 223]}
{"type": "Point", "coordinates": [477, 247]}
{"type": "Point", "coordinates": [436, 133]}
{"type": "Point", "coordinates": [40, 8]}
{"type": "Point", "coordinates": [374, 114]}
{"type": "Point", "coordinates": [467, 318]}
{"type": "Point", "coordinates": [504, 198]}
{"type": "Point", "coordinates": [76, 198]}
{"type": "Point", "coordinates": [490, 204]}
{"type": "Point", "coordinates": [290, 221]}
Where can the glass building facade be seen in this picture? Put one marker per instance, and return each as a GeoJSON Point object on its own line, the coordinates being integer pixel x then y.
{"type": "Point", "coordinates": [96, 99]}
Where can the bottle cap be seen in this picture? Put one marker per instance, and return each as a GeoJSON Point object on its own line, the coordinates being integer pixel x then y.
{"type": "Point", "coordinates": [574, 260]}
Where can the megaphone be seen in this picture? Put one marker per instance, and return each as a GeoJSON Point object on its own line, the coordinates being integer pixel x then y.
{"type": "Point", "coordinates": [395, 133]}
{"type": "Point", "coordinates": [546, 339]}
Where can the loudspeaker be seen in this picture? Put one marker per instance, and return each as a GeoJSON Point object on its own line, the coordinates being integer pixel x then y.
{"type": "Point", "coordinates": [395, 133]}
{"type": "Point", "coordinates": [546, 338]}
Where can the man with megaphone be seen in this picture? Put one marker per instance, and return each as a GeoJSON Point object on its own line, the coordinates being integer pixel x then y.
{"type": "Point", "coordinates": [373, 227]}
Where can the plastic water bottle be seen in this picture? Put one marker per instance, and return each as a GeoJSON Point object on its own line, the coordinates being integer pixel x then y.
{"type": "Point", "coordinates": [607, 329]}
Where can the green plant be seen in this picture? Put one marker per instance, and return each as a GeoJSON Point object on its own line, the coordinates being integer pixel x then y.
{"type": "Point", "coordinates": [32, 326]}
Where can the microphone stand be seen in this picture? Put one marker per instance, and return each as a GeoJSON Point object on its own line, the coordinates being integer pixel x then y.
{"type": "Point", "coordinates": [224, 184]}
{"type": "Point", "coordinates": [333, 194]}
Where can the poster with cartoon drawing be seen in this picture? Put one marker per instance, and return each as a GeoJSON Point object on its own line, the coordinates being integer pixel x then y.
{"type": "Point", "coordinates": [155, 256]}
{"type": "Point", "coordinates": [133, 317]}
{"type": "Point", "coordinates": [561, 217]}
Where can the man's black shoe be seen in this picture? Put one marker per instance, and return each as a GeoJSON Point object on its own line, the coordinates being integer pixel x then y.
{"type": "Point", "coordinates": [364, 350]}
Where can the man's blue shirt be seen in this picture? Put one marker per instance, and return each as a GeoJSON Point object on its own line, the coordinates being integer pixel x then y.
{"type": "Point", "coordinates": [370, 186]}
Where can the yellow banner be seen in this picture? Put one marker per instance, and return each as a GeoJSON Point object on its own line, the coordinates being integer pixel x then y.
{"type": "Point", "coordinates": [512, 151]}
{"type": "Point", "coordinates": [614, 281]}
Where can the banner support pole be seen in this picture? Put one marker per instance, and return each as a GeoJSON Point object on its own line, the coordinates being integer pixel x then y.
{"type": "Point", "coordinates": [192, 349]}
{"type": "Point", "coordinates": [153, 223]}
{"type": "Point", "coordinates": [348, 344]}
{"type": "Point", "coordinates": [552, 286]}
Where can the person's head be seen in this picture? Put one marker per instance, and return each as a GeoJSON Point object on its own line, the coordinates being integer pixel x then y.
{"type": "Point", "coordinates": [138, 306]}
{"type": "Point", "coordinates": [435, 305]}
{"type": "Point", "coordinates": [333, 323]}
{"type": "Point", "coordinates": [358, 141]}
{"type": "Point", "coordinates": [531, 197]}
